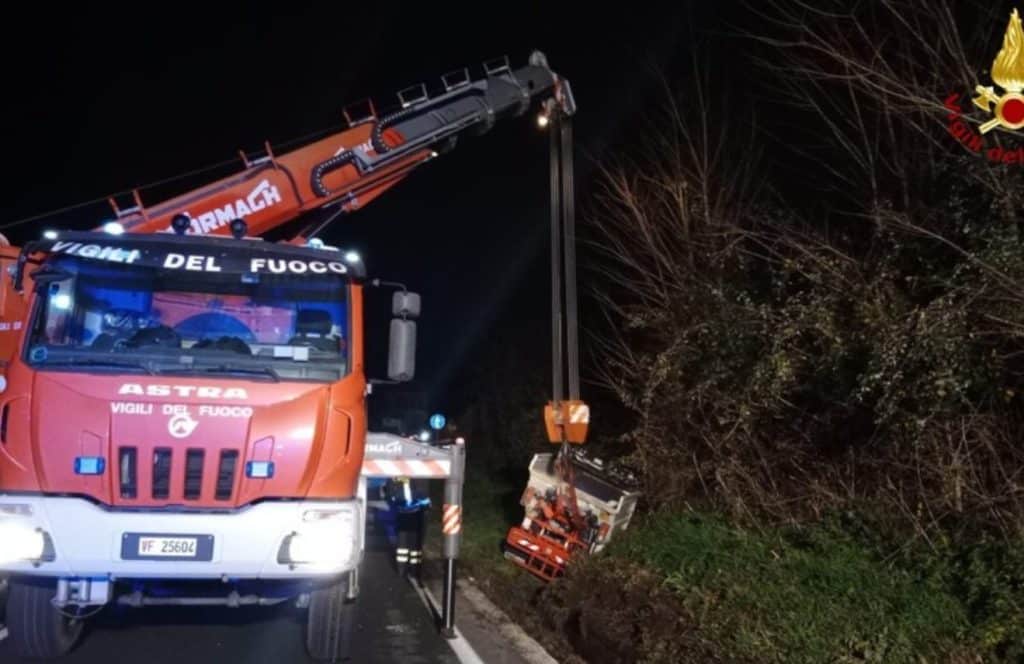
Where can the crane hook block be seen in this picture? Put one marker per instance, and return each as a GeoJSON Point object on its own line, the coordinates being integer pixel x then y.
{"type": "Point", "coordinates": [567, 421]}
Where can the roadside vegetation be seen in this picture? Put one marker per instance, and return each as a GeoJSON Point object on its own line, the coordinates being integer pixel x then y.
{"type": "Point", "coordinates": [698, 587]}
{"type": "Point", "coordinates": [815, 332]}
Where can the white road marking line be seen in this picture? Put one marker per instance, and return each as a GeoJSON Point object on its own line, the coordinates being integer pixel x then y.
{"type": "Point", "coordinates": [531, 651]}
{"type": "Point", "coordinates": [3, 632]}
{"type": "Point", "coordinates": [459, 645]}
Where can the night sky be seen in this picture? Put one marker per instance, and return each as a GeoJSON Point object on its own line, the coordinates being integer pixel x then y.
{"type": "Point", "coordinates": [95, 104]}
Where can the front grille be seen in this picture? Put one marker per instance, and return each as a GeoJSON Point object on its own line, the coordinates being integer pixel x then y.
{"type": "Point", "coordinates": [161, 473]}
{"type": "Point", "coordinates": [3, 422]}
{"type": "Point", "coordinates": [128, 472]}
{"type": "Point", "coordinates": [175, 475]}
{"type": "Point", "coordinates": [226, 474]}
{"type": "Point", "coordinates": [193, 474]}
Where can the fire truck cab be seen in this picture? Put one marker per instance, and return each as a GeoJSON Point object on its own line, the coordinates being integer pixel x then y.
{"type": "Point", "coordinates": [183, 410]}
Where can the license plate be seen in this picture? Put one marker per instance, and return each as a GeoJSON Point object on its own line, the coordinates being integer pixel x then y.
{"type": "Point", "coordinates": [167, 547]}
{"type": "Point", "coordinates": [155, 546]}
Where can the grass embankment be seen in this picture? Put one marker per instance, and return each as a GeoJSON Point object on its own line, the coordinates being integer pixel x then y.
{"type": "Point", "coordinates": [696, 588]}
{"type": "Point", "coordinates": [808, 596]}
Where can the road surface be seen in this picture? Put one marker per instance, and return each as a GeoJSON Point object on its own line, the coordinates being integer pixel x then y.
{"type": "Point", "coordinates": [394, 625]}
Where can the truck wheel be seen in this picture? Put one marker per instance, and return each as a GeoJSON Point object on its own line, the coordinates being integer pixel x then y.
{"type": "Point", "coordinates": [3, 598]}
{"type": "Point", "coordinates": [35, 627]}
{"type": "Point", "coordinates": [330, 622]}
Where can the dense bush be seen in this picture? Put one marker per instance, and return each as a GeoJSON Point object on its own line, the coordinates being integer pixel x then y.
{"type": "Point", "coordinates": [780, 360]}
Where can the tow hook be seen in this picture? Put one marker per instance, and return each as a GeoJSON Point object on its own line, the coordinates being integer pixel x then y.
{"type": "Point", "coordinates": [82, 592]}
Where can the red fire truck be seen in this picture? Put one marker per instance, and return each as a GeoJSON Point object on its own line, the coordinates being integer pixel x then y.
{"type": "Point", "coordinates": [183, 404]}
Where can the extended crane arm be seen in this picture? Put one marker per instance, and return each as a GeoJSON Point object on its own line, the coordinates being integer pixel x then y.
{"type": "Point", "coordinates": [351, 168]}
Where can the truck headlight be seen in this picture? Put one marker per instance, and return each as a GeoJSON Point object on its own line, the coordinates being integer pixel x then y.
{"type": "Point", "coordinates": [325, 540]}
{"type": "Point", "coordinates": [20, 542]}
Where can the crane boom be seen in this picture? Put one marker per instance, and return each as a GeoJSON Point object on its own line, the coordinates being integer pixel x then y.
{"type": "Point", "coordinates": [352, 167]}
{"type": "Point", "coordinates": [128, 336]}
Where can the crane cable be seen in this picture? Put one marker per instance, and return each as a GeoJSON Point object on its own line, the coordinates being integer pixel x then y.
{"type": "Point", "coordinates": [564, 309]}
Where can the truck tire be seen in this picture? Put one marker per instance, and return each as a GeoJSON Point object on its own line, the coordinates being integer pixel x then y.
{"type": "Point", "coordinates": [330, 622]}
{"type": "Point", "coordinates": [3, 599]}
{"type": "Point", "coordinates": [35, 627]}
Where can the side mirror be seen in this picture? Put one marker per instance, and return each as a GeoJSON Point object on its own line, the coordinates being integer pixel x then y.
{"type": "Point", "coordinates": [405, 304]}
{"type": "Point", "coordinates": [402, 349]}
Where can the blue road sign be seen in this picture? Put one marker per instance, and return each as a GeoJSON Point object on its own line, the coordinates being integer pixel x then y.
{"type": "Point", "coordinates": [437, 421]}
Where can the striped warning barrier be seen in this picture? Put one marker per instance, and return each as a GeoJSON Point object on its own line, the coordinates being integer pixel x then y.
{"type": "Point", "coordinates": [429, 468]}
{"type": "Point", "coordinates": [451, 519]}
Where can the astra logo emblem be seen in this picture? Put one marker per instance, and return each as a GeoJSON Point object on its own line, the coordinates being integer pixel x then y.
{"type": "Point", "coordinates": [264, 195]}
{"type": "Point", "coordinates": [202, 392]}
{"type": "Point", "coordinates": [181, 425]}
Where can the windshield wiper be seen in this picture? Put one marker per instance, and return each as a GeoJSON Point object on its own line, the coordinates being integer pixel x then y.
{"type": "Point", "coordinates": [94, 362]}
{"type": "Point", "coordinates": [225, 368]}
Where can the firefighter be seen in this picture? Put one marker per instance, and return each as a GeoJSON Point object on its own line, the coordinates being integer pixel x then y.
{"type": "Point", "coordinates": [409, 502]}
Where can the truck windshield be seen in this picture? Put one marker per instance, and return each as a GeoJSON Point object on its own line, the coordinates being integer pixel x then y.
{"type": "Point", "coordinates": [94, 316]}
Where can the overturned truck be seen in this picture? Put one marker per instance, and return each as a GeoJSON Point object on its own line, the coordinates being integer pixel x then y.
{"type": "Point", "coordinates": [570, 509]}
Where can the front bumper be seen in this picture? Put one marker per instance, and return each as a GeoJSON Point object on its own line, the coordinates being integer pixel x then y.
{"type": "Point", "coordinates": [247, 543]}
